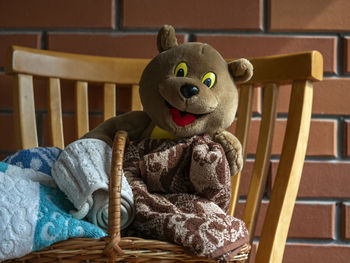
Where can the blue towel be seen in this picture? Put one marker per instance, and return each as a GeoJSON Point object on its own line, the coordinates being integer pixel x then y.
{"type": "Point", "coordinates": [34, 213]}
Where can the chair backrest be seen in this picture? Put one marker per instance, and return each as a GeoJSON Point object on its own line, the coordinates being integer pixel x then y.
{"type": "Point", "coordinates": [300, 70]}
{"type": "Point", "coordinates": [26, 63]}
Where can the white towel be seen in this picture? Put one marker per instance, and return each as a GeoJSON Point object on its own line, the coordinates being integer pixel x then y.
{"type": "Point", "coordinates": [19, 206]}
{"type": "Point", "coordinates": [82, 173]}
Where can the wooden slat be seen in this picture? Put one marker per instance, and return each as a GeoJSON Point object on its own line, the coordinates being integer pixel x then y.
{"type": "Point", "coordinates": [283, 196]}
{"type": "Point", "coordinates": [244, 113]}
{"type": "Point", "coordinates": [109, 100]}
{"type": "Point", "coordinates": [55, 113]}
{"type": "Point", "coordinates": [75, 67]}
{"type": "Point", "coordinates": [262, 158]}
{"type": "Point", "coordinates": [24, 112]}
{"type": "Point", "coordinates": [81, 108]}
{"type": "Point", "coordinates": [135, 98]}
{"type": "Point", "coordinates": [287, 68]}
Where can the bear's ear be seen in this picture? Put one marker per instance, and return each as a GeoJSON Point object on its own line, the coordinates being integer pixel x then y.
{"type": "Point", "coordinates": [166, 38]}
{"type": "Point", "coordinates": [241, 70]}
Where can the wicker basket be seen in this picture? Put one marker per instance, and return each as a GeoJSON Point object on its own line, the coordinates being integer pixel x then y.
{"type": "Point", "coordinates": [114, 248]}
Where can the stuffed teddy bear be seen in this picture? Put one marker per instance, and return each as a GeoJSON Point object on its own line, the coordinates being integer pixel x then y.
{"type": "Point", "coordinates": [186, 90]}
{"type": "Point", "coordinates": [181, 157]}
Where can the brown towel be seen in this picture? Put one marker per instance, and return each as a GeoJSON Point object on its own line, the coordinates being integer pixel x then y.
{"type": "Point", "coordinates": [182, 191]}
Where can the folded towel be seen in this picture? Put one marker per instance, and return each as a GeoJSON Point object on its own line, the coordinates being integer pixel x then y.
{"type": "Point", "coordinates": [33, 211]}
{"type": "Point", "coordinates": [182, 192]}
{"type": "Point", "coordinates": [98, 214]}
{"type": "Point", "coordinates": [39, 159]}
{"type": "Point", "coordinates": [82, 173]}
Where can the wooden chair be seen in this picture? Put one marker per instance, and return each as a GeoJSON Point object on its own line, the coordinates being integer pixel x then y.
{"type": "Point", "coordinates": [300, 70]}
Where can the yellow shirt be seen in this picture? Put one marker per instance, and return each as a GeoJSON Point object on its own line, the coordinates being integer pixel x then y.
{"type": "Point", "coordinates": [159, 133]}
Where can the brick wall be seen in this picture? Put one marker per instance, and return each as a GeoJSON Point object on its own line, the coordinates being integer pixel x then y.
{"type": "Point", "coordinates": [320, 228]}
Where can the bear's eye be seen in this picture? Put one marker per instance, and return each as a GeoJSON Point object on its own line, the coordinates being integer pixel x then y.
{"type": "Point", "coordinates": [209, 79]}
{"type": "Point", "coordinates": [181, 70]}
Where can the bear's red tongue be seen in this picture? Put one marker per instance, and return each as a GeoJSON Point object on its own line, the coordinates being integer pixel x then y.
{"type": "Point", "coordinates": [182, 120]}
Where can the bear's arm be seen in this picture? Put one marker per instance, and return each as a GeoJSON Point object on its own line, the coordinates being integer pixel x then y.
{"type": "Point", "coordinates": [232, 148]}
{"type": "Point", "coordinates": [134, 122]}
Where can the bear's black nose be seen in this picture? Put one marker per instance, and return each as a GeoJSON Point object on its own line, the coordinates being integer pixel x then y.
{"type": "Point", "coordinates": [189, 90]}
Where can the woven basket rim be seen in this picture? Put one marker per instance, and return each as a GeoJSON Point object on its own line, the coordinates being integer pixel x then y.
{"type": "Point", "coordinates": [133, 247]}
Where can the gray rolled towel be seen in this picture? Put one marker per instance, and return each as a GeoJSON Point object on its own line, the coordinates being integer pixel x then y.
{"type": "Point", "coordinates": [82, 173]}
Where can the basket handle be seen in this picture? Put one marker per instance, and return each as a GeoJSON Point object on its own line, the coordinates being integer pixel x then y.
{"type": "Point", "coordinates": [115, 183]}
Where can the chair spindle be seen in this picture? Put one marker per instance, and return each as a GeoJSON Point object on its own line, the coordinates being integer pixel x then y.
{"type": "Point", "coordinates": [55, 113]}
{"type": "Point", "coordinates": [244, 114]}
{"type": "Point", "coordinates": [285, 187]}
{"type": "Point", "coordinates": [81, 108]}
{"type": "Point", "coordinates": [109, 106]}
{"type": "Point", "coordinates": [135, 98]}
{"type": "Point", "coordinates": [24, 114]}
{"type": "Point", "coordinates": [262, 158]}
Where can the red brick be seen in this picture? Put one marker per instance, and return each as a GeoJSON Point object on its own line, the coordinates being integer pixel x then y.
{"type": "Point", "coordinates": [322, 179]}
{"type": "Point", "coordinates": [8, 141]}
{"type": "Point", "coordinates": [309, 220]}
{"type": "Point", "coordinates": [252, 252]}
{"type": "Point", "coordinates": [346, 220]}
{"type": "Point", "coordinates": [130, 45]}
{"type": "Point", "coordinates": [320, 253]}
{"type": "Point", "coordinates": [246, 177]}
{"type": "Point", "coordinates": [320, 130]}
{"type": "Point", "coordinates": [124, 99]}
{"type": "Point", "coordinates": [313, 220]}
{"type": "Point", "coordinates": [284, 98]}
{"type": "Point", "coordinates": [57, 14]}
{"type": "Point", "coordinates": [40, 93]}
{"type": "Point", "coordinates": [332, 96]}
{"type": "Point", "coordinates": [191, 14]}
{"type": "Point", "coordinates": [311, 15]}
{"type": "Point", "coordinates": [257, 45]}
{"type": "Point", "coordinates": [347, 138]}
{"type": "Point", "coordinates": [6, 99]}
{"type": "Point", "coordinates": [7, 40]}
{"type": "Point", "coordinates": [4, 155]}
{"type": "Point", "coordinates": [256, 107]}
{"type": "Point", "coordinates": [337, 89]}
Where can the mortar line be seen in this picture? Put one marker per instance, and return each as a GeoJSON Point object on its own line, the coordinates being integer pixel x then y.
{"type": "Point", "coordinates": [340, 55]}
{"type": "Point", "coordinates": [265, 16]}
{"type": "Point", "coordinates": [117, 16]}
{"type": "Point", "coordinates": [225, 32]}
{"type": "Point", "coordinates": [340, 138]}
{"type": "Point", "coordinates": [230, 32]}
{"type": "Point", "coordinates": [319, 241]}
{"type": "Point", "coordinates": [43, 43]}
{"type": "Point", "coordinates": [338, 221]}
{"type": "Point", "coordinates": [39, 127]}
{"type": "Point", "coordinates": [6, 111]}
{"type": "Point", "coordinates": [317, 200]}
{"type": "Point", "coordinates": [190, 37]}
